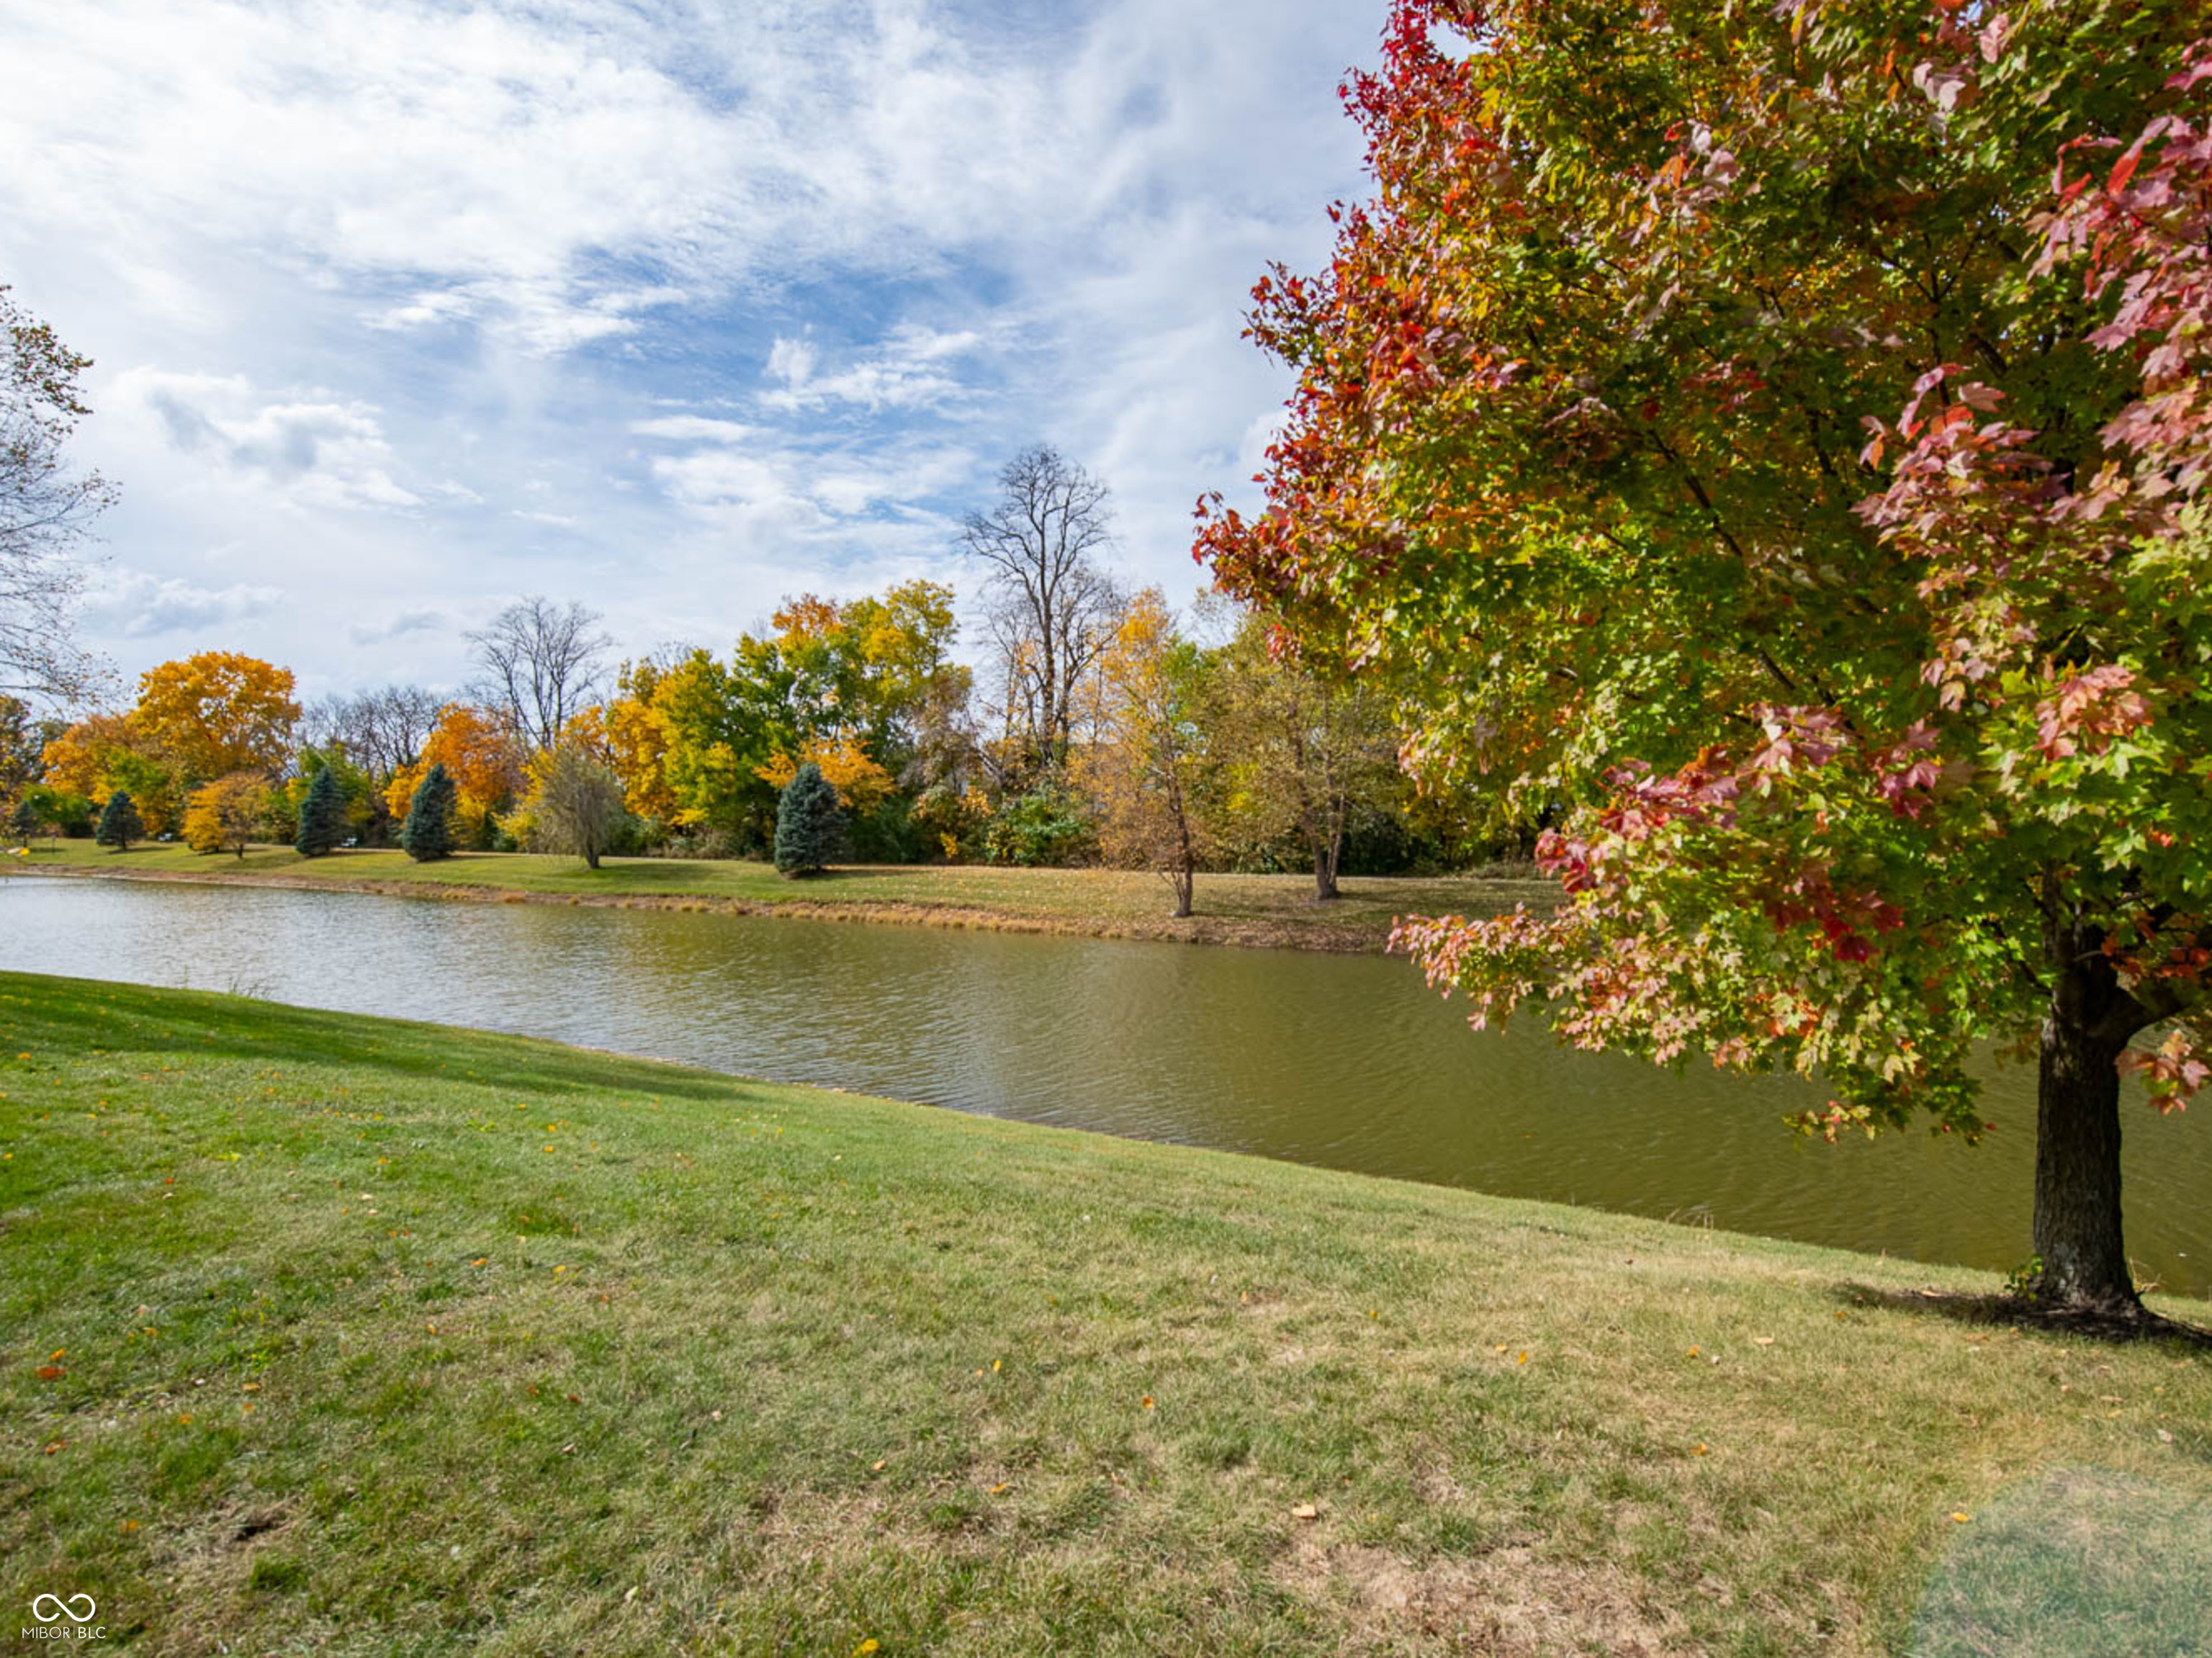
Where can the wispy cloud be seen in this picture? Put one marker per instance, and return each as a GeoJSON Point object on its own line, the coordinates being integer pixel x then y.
{"type": "Point", "coordinates": [138, 604]}
{"type": "Point", "coordinates": [381, 291]}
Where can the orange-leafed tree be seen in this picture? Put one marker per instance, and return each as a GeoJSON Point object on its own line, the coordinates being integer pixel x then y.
{"type": "Point", "coordinates": [217, 713]}
{"type": "Point", "coordinates": [479, 755]}
{"type": "Point", "coordinates": [105, 754]}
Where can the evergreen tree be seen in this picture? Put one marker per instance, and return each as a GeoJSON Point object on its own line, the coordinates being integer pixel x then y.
{"type": "Point", "coordinates": [809, 824]}
{"type": "Point", "coordinates": [119, 823]}
{"type": "Point", "coordinates": [322, 816]}
{"type": "Point", "coordinates": [428, 831]}
{"type": "Point", "coordinates": [25, 821]}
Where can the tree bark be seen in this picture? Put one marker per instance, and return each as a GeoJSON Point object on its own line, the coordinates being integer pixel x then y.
{"type": "Point", "coordinates": [2078, 1242]}
{"type": "Point", "coordinates": [1326, 855]}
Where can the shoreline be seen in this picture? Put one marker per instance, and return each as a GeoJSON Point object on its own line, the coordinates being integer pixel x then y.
{"type": "Point", "coordinates": [1317, 935]}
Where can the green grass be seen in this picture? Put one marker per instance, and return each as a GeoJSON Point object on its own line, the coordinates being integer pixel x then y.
{"type": "Point", "coordinates": [328, 1334]}
{"type": "Point", "coordinates": [1249, 909]}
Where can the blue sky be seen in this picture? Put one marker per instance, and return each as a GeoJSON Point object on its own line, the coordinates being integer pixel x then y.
{"type": "Point", "coordinates": [401, 310]}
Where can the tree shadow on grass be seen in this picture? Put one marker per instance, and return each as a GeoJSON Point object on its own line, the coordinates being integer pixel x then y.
{"type": "Point", "coordinates": [2079, 1563]}
{"type": "Point", "coordinates": [88, 1014]}
{"type": "Point", "coordinates": [1969, 1306]}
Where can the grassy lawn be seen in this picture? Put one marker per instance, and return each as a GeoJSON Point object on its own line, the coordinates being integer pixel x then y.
{"type": "Point", "coordinates": [328, 1334]}
{"type": "Point", "coordinates": [1275, 910]}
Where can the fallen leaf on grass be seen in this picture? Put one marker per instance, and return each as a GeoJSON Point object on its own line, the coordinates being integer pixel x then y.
{"type": "Point", "coordinates": [1305, 1511]}
{"type": "Point", "coordinates": [1146, 1401]}
{"type": "Point", "coordinates": [51, 1373]}
{"type": "Point", "coordinates": [1762, 1341]}
{"type": "Point", "coordinates": [1961, 1517]}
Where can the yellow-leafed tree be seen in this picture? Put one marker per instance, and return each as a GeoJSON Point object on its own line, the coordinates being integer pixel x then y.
{"type": "Point", "coordinates": [1150, 764]}
{"type": "Point", "coordinates": [224, 816]}
{"type": "Point", "coordinates": [861, 784]}
{"type": "Point", "coordinates": [217, 712]}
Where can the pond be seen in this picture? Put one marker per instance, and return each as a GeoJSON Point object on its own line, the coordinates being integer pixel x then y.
{"type": "Point", "coordinates": [1344, 1061]}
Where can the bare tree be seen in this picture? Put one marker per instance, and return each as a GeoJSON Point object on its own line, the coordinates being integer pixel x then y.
{"type": "Point", "coordinates": [540, 663]}
{"type": "Point", "coordinates": [46, 510]}
{"type": "Point", "coordinates": [1049, 608]}
{"type": "Point", "coordinates": [382, 730]}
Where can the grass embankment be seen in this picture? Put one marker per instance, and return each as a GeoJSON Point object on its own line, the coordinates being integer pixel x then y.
{"type": "Point", "coordinates": [351, 1336]}
{"type": "Point", "coordinates": [1265, 910]}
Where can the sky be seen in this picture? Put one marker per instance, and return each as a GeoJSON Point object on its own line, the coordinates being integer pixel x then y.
{"type": "Point", "coordinates": [400, 310]}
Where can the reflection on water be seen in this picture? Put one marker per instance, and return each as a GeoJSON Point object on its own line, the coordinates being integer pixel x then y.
{"type": "Point", "coordinates": [1344, 1061]}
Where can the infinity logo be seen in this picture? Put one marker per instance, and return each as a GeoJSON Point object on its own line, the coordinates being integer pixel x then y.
{"type": "Point", "coordinates": [52, 1609]}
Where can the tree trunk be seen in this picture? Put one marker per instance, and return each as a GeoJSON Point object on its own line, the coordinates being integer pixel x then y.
{"type": "Point", "coordinates": [1325, 854]}
{"type": "Point", "coordinates": [2083, 1261]}
{"type": "Point", "coordinates": [1183, 879]}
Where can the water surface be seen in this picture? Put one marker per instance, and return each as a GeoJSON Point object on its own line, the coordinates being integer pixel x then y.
{"type": "Point", "coordinates": [1345, 1061]}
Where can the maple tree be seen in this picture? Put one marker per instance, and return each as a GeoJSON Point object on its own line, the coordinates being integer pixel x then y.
{"type": "Point", "coordinates": [479, 755]}
{"type": "Point", "coordinates": [104, 754]}
{"type": "Point", "coordinates": [217, 713]}
{"type": "Point", "coordinates": [1779, 457]}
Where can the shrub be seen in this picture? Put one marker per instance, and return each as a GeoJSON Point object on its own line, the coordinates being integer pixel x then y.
{"type": "Point", "coordinates": [809, 824]}
{"type": "Point", "coordinates": [887, 833]}
{"type": "Point", "coordinates": [1048, 825]}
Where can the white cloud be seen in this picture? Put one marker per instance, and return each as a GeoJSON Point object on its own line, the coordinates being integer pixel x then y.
{"type": "Point", "coordinates": [317, 453]}
{"type": "Point", "coordinates": [399, 626]}
{"type": "Point", "coordinates": [904, 373]}
{"type": "Point", "coordinates": [140, 605]}
{"type": "Point", "coordinates": [693, 427]}
{"type": "Point", "coordinates": [763, 293]}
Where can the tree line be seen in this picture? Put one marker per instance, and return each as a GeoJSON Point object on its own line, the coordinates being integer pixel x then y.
{"type": "Point", "coordinates": [1106, 729]}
